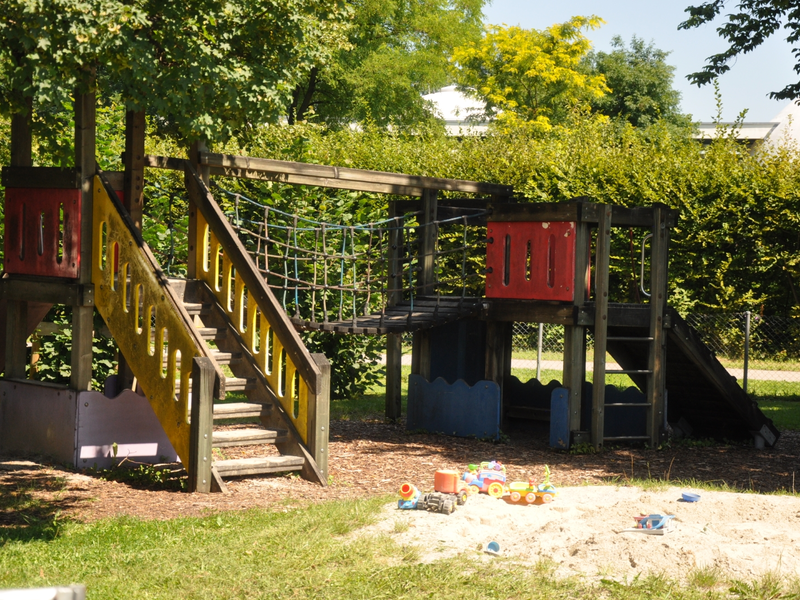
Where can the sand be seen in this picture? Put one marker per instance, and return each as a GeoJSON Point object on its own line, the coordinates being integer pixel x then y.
{"type": "Point", "coordinates": [744, 536]}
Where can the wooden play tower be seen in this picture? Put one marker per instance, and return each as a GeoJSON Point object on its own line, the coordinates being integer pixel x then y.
{"type": "Point", "coordinates": [73, 237]}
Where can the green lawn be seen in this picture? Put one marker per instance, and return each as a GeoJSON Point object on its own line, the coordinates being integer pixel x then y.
{"type": "Point", "coordinates": [307, 552]}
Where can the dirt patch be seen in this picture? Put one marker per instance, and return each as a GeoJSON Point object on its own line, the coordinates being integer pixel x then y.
{"type": "Point", "coordinates": [743, 536]}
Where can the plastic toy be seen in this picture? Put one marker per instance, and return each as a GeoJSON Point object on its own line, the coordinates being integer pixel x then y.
{"type": "Point", "coordinates": [489, 478]}
{"type": "Point", "coordinates": [530, 491]}
{"type": "Point", "coordinates": [411, 498]}
{"type": "Point", "coordinates": [654, 521]}
{"type": "Point", "coordinates": [448, 482]}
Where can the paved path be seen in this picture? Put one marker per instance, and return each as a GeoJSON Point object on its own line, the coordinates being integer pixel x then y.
{"type": "Point", "coordinates": [557, 365]}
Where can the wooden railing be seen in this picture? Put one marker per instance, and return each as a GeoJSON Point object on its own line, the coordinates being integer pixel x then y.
{"type": "Point", "coordinates": [225, 266]}
{"type": "Point", "coordinates": [151, 330]}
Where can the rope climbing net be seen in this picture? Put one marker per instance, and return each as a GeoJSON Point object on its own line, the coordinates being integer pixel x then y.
{"type": "Point", "coordinates": [332, 272]}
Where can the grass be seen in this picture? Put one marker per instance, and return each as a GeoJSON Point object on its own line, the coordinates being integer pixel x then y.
{"type": "Point", "coordinates": [308, 552]}
{"type": "Point", "coordinates": [785, 414]}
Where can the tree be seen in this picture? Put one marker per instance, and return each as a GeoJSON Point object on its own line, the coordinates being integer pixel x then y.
{"type": "Point", "coordinates": [397, 50]}
{"type": "Point", "coordinates": [208, 67]}
{"type": "Point", "coordinates": [745, 30]}
{"type": "Point", "coordinates": [640, 81]}
{"type": "Point", "coordinates": [530, 78]}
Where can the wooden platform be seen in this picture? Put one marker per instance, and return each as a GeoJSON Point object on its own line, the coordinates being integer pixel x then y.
{"type": "Point", "coordinates": [426, 312]}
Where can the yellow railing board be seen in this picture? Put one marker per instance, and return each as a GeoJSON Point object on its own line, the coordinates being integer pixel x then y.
{"type": "Point", "coordinates": [143, 340]}
{"type": "Point", "coordinates": [241, 309]}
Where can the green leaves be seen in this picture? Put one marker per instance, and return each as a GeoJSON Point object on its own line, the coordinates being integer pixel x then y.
{"type": "Point", "coordinates": [746, 28]}
{"type": "Point", "coordinates": [206, 67]}
{"type": "Point", "coordinates": [640, 83]}
{"type": "Point", "coordinates": [530, 78]}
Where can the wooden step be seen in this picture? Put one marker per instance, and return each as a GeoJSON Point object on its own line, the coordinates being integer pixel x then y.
{"type": "Point", "coordinates": [240, 384]}
{"type": "Point", "coordinates": [240, 410]}
{"type": "Point", "coordinates": [196, 308]}
{"type": "Point", "coordinates": [232, 384]}
{"type": "Point", "coordinates": [248, 437]}
{"type": "Point", "coordinates": [211, 333]}
{"type": "Point", "coordinates": [225, 358]}
{"type": "Point", "coordinates": [255, 466]}
{"type": "Point", "coordinates": [221, 358]}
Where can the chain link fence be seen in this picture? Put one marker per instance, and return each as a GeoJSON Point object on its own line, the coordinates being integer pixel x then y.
{"type": "Point", "coordinates": [763, 353]}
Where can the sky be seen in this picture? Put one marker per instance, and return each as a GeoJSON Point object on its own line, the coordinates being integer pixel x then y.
{"type": "Point", "coordinates": [745, 86]}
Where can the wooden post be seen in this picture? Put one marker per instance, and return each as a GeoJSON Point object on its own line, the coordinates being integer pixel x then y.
{"type": "Point", "coordinates": [133, 189]}
{"type": "Point", "coordinates": [17, 310]}
{"type": "Point", "coordinates": [203, 172]}
{"type": "Point", "coordinates": [658, 301]}
{"type": "Point", "coordinates": [600, 325]}
{"type": "Point", "coordinates": [22, 138]}
{"type": "Point", "coordinates": [82, 326]}
{"type": "Point", "coordinates": [133, 200]}
{"type": "Point", "coordinates": [16, 339]}
{"type": "Point", "coordinates": [202, 425]}
{"type": "Point", "coordinates": [394, 376]}
{"type": "Point", "coordinates": [421, 354]}
{"type": "Point", "coordinates": [319, 416]}
{"type": "Point", "coordinates": [427, 243]}
{"type": "Point", "coordinates": [394, 342]}
{"type": "Point", "coordinates": [575, 335]}
{"type": "Point", "coordinates": [498, 356]}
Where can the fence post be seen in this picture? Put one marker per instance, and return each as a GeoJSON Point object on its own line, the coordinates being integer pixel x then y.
{"type": "Point", "coordinates": [746, 349]}
{"type": "Point", "coordinates": [539, 353]}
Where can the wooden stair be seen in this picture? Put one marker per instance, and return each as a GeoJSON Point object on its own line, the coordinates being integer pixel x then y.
{"type": "Point", "coordinates": [251, 435]}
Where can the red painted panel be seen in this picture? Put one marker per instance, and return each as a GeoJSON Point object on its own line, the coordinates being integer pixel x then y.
{"type": "Point", "coordinates": [43, 232]}
{"type": "Point", "coordinates": [531, 260]}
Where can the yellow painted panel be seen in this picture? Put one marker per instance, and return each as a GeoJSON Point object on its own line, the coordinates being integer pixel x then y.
{"type": "Point", "coordinates": [123, 320]}
{"type": "Point", "coordinates": [208, 269]}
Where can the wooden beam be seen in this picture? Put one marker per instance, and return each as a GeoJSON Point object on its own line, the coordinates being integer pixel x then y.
{"type": "Point", "coordinates": [575, 335]}
{"type": "Point", "coordinates": [357, 186]}
{"type": "Point", "coordinates": [319, 417]}
{"type": "Point", "coordinates": [394, 376]}
{"type": "Point", "coordinates": [202, 425]}
{"type": "Point", "coordinates": [603, 254]}
{"type": "Point", "coordinates": [658, 302]}
{"type": "Point", "coordinates": [133, 185]}
{"type": "Point", "coordinates": [580, 211]}
{"type": "Point", "coordinates": [47, 290]}
{"type": "Point", "coordinates": [165, 162]}
{"type": "Point", "coordinates": [41, 177]}
{"type": "Point", "coordinates": [82, 316]}
{"type": "Point", "coordinates": [527, 311]}
{"type": "Point", "coordinates": [22, 137]}
{"type": "Point", "coordinates": [428, 234]}
{"type": "Point", "coordinates": [16, 338]}
{"type": "Point", "coordinates": [325, 172]}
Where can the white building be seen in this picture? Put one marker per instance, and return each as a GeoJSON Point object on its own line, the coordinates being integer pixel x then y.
{"type": "Point", "coordinates": [458, 111]}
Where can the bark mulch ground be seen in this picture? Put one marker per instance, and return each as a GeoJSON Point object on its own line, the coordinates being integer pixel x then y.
{"type": "Point", "coordinates": [373, 458]}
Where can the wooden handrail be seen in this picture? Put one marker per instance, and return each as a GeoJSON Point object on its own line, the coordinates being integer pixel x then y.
{"type": "Point", "coordinates": [248, 272]}
{"type": "Point", "coordinates": [121, 263]}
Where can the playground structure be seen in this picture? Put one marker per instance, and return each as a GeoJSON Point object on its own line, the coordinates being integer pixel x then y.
{"type": "Point", "coordinates": [73, 237]}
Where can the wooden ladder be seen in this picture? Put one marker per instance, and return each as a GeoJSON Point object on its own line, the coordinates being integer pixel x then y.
{"type": "Point", "coordinates": [654, 374]}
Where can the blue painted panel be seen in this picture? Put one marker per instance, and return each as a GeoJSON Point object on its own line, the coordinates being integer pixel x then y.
{"type": "Point", "coordinates": [559, 419]}
{"type": "Point", "coordinates": [454, 409]}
